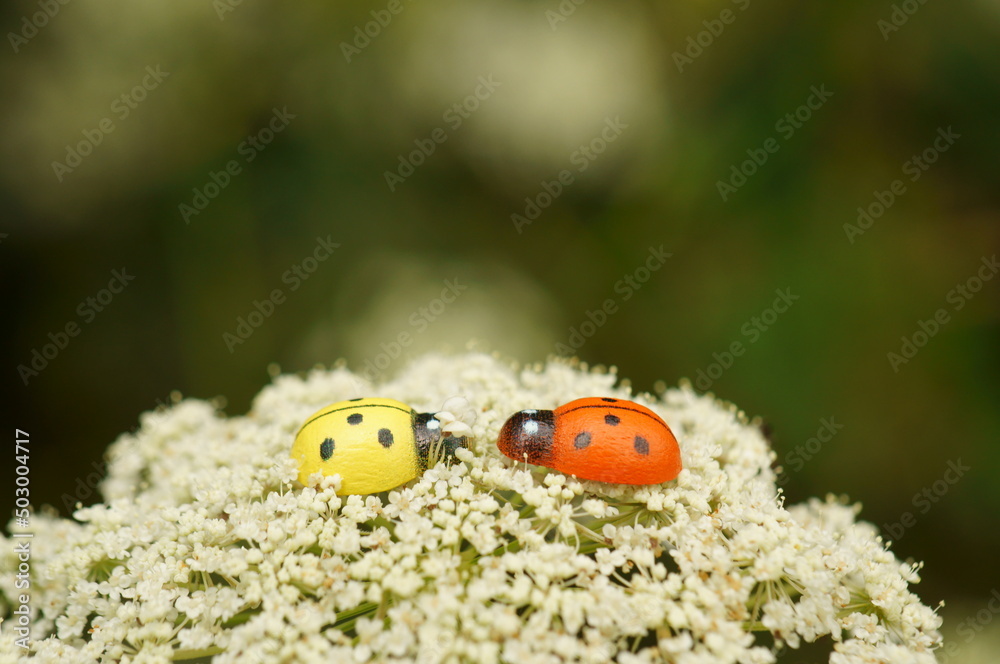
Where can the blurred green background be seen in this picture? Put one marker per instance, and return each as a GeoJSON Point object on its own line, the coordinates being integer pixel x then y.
{"type": "Point", "coordinates": [646, 106]}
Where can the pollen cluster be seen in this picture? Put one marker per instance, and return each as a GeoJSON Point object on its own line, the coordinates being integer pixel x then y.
{"type": "Point", "coordinates": [206, 546]}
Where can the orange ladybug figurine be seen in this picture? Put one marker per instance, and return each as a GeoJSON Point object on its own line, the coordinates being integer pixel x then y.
{"type": "Point", "coordinates": [597, 438]}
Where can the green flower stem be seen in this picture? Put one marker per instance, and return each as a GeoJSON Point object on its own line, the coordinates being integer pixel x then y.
{"type": "Point", "coordinates": [346, 619]}
{"type": "Point", "coordinates": [196, 656]}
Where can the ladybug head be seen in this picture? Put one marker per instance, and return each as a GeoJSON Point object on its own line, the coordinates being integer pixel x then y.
{"type": "Point", "coordinates": [434, 446]}
{"type": "Point", "coordinates": [527, 436]}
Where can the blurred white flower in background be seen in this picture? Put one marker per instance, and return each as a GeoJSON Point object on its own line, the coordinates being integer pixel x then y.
{"type": "Point", "coordinates": [557, 87]}
{"type": "Point", "coordinates": [206, 546]}
{"type": "Point", "coordinates": [395, 306]}
{"type": "Point", "coordinates": [72, 76]}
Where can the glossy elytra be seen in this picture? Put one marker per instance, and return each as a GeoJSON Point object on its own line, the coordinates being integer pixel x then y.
{"type": "Point", "coordinates": [596, 438]}
{"type": "Point", "coordinates": [374, 444]}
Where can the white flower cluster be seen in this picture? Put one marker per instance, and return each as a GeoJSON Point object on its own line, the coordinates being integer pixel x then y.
{"type": "Point", "coordinates": [206, 546]}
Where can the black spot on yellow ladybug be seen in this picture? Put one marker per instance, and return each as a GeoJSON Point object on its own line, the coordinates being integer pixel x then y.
{"type": "Point", "coordinates": [326, 449]}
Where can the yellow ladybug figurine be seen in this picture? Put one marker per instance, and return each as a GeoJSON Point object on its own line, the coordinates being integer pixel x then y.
{"type": "Point", "coordinates": [374, 444]}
